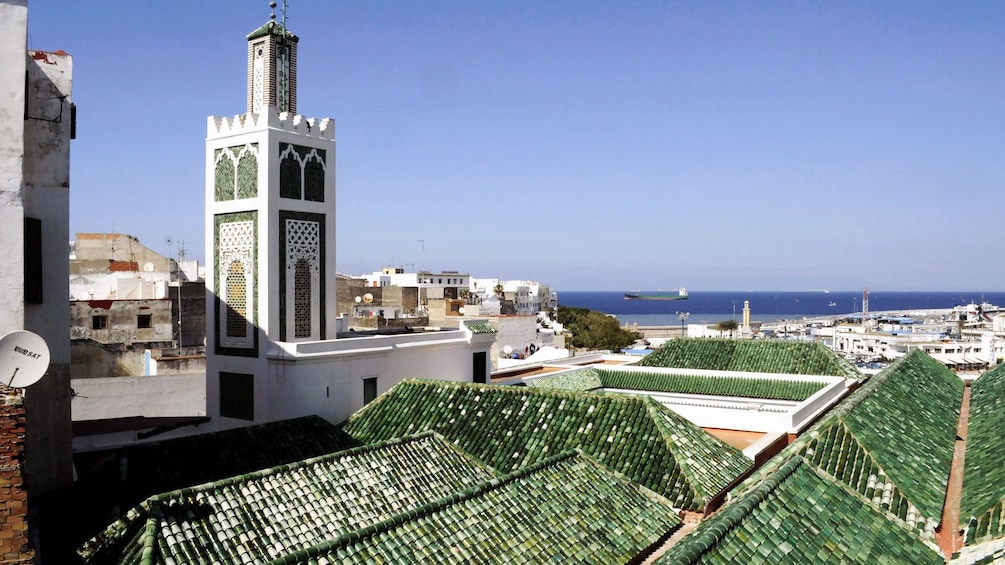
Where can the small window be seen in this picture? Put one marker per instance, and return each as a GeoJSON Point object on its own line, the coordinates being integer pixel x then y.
{"type": "Point", "coordinates": [144, 321]}
{"type": "Point", "coordinates": [237, 396]}
{"type": "Point", "coordinates": [99, 322]}
{"type": "Point", "coordinates": [369, 390]}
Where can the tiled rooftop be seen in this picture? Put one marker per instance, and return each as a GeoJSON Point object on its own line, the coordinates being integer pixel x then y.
{"type": "Point", "coordinates": [509, 428]}
{"type": "Point", "coordinates": [273, 512]}
{"type": "Point", "coordinates": [982, 506]}
{"type": "Point", "coordinates": [800, 515]}
{"type": "Point", "coordinates": [762, 356]}
{"type": "Point", "coordinates": [669, 382]}
{"type": "Point", "coordinates": [131, 474]}
{"type": "Point", "coordinates": [563, 509]}
{"type": "Point", "coordinates": [417, 499]}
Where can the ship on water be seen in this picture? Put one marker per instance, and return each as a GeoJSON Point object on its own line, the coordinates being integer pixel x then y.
{"type": "Point", "coordinates": [672, 294]}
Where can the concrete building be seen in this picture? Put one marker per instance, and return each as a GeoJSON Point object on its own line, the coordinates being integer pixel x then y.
{"type": "Point", "coordinates": [37, 120]}
{"type": "Point", "coordinates": [276, 347]}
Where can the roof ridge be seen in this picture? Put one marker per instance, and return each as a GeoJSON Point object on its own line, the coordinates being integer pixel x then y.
{"type": "Point", "coordinates": [427, 509]}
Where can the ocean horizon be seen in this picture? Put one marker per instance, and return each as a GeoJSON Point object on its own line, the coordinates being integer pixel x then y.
{"type": "Point", "coordinates": [767, 306]}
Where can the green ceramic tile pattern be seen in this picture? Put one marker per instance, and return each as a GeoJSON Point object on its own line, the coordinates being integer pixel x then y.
{"type": "Point", "coordinates": [983, 503]}
{"type": "Point", "coordinates": [580, 380]}
{"type": "Point", "coordinates": [564, 509]}
{"type": "Point", "coordinates": [274, 512]}
{"type": "Point", "coordinates": [908, 426]}
{"type": "Point", "coordinates": [224, 174]}
{"type": "Point", "coordinates": [836, 450]}
{"type": "Point", "coordinates": [799, 515]}
{"type": "Point", "coordinates": [772, 389]}
{"type": "Point", "coordinates": [786, 357]}
{"type": "Point", "coordinates": [480, 327]}
{"type": "Point", "coordinates": [247, 174]}
{"type": "Point", "coordinates": [509, 428]}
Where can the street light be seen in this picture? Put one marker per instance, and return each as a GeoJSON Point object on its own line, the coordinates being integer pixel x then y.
{"type": "Point", "coordinates": [683, 316]}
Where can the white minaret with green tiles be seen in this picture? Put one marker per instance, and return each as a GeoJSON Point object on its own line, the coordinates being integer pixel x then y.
{"type": "Point", "coordinates": [270, 232]}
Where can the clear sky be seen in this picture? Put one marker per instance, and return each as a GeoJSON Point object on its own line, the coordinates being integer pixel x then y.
{"type": "Point", "coordinates": [587, 145]}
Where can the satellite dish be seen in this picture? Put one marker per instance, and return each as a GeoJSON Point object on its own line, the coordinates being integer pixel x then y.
{"type": "Point", "coordinates": [148, 267]}
{"type": "Point", "coordinates": [368, 298]}
{"type": "Point", "coordinates": [358, 299]}
{"type": "Point", "coordinates": [507, 350]}
{"type": "Point", "coordinates": [24, 358]}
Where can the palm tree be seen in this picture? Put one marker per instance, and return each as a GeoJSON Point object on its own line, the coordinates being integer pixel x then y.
{"type": "Point", "coordinates": [727, 325]}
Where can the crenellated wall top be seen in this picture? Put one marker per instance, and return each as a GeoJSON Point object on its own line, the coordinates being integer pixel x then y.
{"type": "Point", "coordinates": [218, 126]}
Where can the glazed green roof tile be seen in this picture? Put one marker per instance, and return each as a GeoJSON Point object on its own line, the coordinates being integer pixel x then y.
{"type": "Point", "coordinates": [508, 428]}
{"type": "Point", "coordinates": [135, 472]}
{"type": "Point", "coordinates": [907, 423]}
{"type": "Point", "coordinates": [480, 327]}
{"type": "Point", "coordinates": [982, 507]}
{"type": "Point", "coordinates": [669, 382]}
{"type": "Point", "coordinates": [261, 515]}
{"type": "Point", "coordinates": [761, 356]}
{"type": "Point", "coordinates": [580, 380]}
{"type": "Point", "coordinates": [563, 509]}
{"type": "Point", "coordinates": [272, 28]}
{"type": "Point", "coordinates": [800, 515]}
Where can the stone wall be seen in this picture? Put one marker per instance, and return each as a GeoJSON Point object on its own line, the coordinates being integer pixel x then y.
{"type": "Point", "coordinates": [15, 545]}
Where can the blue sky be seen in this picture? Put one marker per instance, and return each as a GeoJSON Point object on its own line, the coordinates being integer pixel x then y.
{"type": "Point", "coordinates": [587, 145]}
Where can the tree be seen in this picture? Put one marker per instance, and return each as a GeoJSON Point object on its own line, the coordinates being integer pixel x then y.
{"type": "Point", "coordinates": [727, 325]}
{"type": "Point", "coordinates": [595, 330]}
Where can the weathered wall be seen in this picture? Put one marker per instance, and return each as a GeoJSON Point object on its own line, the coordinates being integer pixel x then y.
{"type": "Point", "coordinates": [15, 545]}
{"type": "Point", "coordinates": [122, 319]}
{"type": "Point", "coordinates": [192, 316]}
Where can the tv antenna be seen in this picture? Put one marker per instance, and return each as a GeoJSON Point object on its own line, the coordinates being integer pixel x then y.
{"type": "Point", "coordinates": [24, 358]}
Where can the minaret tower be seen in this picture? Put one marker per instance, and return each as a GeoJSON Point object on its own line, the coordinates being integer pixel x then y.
{"type": "Point", "coordinates": [270, 231]}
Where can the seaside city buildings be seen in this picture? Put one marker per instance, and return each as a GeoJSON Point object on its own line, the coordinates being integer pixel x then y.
{"type": "Point", "coordinates": [400, 445]}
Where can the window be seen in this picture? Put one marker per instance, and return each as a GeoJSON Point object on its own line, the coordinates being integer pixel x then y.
{"type": "Point", "coordinates": [99, 322]}
{"type": "Point", "coordinates": [33, 260]}
{"type": "Point", "coordinates": [237, 301]}
{"type": "Point", "coordinates": [237, 396]}
{"type": "Point", "coordinates": [302, 300]}
{"type": "Point", "coordinates": [369, 390]}
{"type": "Point", "coordinates": [144, 321]}
{"type": "Point", "coordinates": [478, 369]}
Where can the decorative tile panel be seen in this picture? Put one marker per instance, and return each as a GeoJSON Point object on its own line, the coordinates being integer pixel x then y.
{"type": "Point", "coordinates": [236, 172]}
{"type": "Point", "coordinates": [235, 284]}
{"type": "Point", "coordinates": [301, 172]}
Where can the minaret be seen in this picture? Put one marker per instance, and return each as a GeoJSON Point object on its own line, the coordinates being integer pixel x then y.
{"type": "Point", "coordinates": [270, 231]}
{"type": "Point", "coordinates": [272, 66]}
{"type": "Point", "coordinates": [746, 313]}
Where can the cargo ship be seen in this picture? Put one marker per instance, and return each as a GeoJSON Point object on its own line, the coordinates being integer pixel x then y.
{"type": "Point", "coordinates": [674, 294]}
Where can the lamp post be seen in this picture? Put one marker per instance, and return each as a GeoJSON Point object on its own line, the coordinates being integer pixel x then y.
{"type": "Point", "coordinates": [683, 316]}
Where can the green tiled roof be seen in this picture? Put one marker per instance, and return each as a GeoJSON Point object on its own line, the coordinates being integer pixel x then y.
{"type": "Point", "coordinates": [509, 428]}
{"type": "Point", "coordinates": [762, 356]}
{"type": "Point", "coordinates": [907, 424]}
{"type": "Point", "coordinates": [272, 28]}
{"type": "Point", "coordinates": [592, 378]}
{"type": "Point", "coordinates": [480, 327]}
{"type": "Point", "coordinates": [269, 513]}
{"type": "Point", "coordinates": [563, 509]}
{"type": "Point", "coordinates": [799, 515]}
{"type": "Point", "coordinates": [580, 380]}
{"type": "Point", "coordinates": [983, 500]}
{"type": "Point", "coordinates": [131, 474]}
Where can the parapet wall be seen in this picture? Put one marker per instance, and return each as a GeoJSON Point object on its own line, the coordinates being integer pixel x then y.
{"type": "Point", "coordinates": [218, 126]}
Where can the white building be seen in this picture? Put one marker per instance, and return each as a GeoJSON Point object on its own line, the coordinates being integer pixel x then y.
{"type": "Point", "coordinates": [273, 350]}
{"type": "Point", "coordinates": [37, 120]}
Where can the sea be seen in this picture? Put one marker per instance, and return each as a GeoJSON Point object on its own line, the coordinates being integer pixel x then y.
{"type": "Point", "coordinates": [767, 306]}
